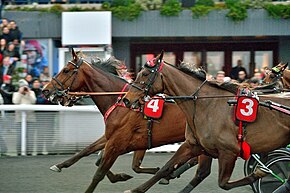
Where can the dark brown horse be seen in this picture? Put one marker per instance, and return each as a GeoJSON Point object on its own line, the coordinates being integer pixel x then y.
{"type": "Point", "coordinates": [278, 73]}
{"type": "Point", "coordinates": [126, 130]}
{"type": "Point", "coordinates": [210, 128]}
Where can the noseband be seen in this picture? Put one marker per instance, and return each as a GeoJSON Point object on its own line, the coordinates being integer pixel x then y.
{"type": "Point", "coordinates": [63, 92]}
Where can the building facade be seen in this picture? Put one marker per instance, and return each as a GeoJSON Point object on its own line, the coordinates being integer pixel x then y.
{"type": "Point", "coordinates": [214, 41]}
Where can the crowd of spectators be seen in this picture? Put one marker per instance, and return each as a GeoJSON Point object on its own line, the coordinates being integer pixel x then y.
{"type": "Point", "coordinates": [239, 74]}
{"type": "Point", "coordinates": [24, 88]}
{"type": "Point", "coordinates": [12, 48]}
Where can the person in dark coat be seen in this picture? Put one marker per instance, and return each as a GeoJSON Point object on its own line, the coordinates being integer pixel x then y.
{"type": "Point", "coordinates": [234, 74]}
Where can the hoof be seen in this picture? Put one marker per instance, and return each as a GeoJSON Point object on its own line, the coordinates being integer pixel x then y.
{"type": "Point", "coordinates": [55, 168]}
{"type": "Point", "coordinates": [126, 177]}
{"type": "Point", "coordinates": [128, 191]}
{"type": "Point", "coordinates": [164, 181]}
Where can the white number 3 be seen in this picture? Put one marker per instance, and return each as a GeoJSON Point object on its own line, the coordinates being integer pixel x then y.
{"type": "Point", "coordinates": [153, 104]}
{"type": "Point", "coordinates": [249, 106]}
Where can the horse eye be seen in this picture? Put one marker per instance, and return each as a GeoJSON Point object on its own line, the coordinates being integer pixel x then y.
{"type": "Point", "coordinates": [66, 70]}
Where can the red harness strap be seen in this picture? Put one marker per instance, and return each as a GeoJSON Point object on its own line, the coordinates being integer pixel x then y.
{"type": "Point", "coordinates": [112, 108]}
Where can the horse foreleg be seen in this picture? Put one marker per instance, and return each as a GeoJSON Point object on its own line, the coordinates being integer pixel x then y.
{"type": "Point", "coordinates": [227, 162]}
{"type": "Point", "coordinates": [111, 176]}
{"type": "Point", "coordinates": [92, 148]}
{"type": "Point", "coordinates": [109, 157]}
{"type": "Point", "coordinates": [203, 170]}
{"type": "Point", "coordinates": [183, 154]}
{"type": "Point", "coordinates": [136, 163]}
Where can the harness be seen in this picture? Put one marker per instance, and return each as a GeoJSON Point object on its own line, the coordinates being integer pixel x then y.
{"type": "Point", "coordinates": [118, 103]}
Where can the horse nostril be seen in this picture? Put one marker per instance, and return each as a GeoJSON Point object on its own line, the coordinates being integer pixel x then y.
{"type": "Point", "coordinates": [126, 102]}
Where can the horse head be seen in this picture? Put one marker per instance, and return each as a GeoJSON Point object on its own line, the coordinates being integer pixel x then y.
{"type": "Point", "coordinates": [68, 79]}
{"type": "Point", "coordinates": [274, 74]}
{"type": "Point", "coordinates": [149, 79]}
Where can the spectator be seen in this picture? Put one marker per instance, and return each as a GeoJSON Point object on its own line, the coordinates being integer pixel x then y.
{"type": "Point", "coordinates": [7, 89]}
{"type": "Point", "coordinates": [242, 76]}
{"type": "Point", "coordinates": [254, 82]}
{"type": "Point", "coordinates": [25, 96]}
{"type": "Point", "coordinates": [4, 23]}
{"type": "Point", "coordinates": [6, 34]}
{"type": "Point", "coordinates": [15, 33]}
{"type": "Point", "coordinates": [29, 79]}
{"type": "Point", "coordinates": [3, 45]}
{"type": "Point", "coordinates": [6, 92]}
{"type": "Point", "coordinates": [44, 76]}
{"type": "Point", "coordinates": [220, 75]}
{"type": "Point", "coordinates": [36, 88]}
{"type": "Point", "coordinates": [44, 128]}
{"type": "Point", "coordinates": [3, 147]}
{"type": "Point", "coordinates": [234, 74]}
{"type": "Point", "coordinates": [12, 52]}
{"type": "Point", "coordinates": [8, 66]}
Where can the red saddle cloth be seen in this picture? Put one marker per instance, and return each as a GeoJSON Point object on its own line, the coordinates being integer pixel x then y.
{"type": "Point", "coordinates": [154, 107]}
{"type": "Point", "coordinates": [245, 112]}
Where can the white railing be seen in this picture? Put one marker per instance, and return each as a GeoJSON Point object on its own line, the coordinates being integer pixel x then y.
{"type": "Point", "coordinates": [69, 129]}
{"type": "Point", "coordinates": [57, 129]}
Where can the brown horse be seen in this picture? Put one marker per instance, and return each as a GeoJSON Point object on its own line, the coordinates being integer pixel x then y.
{"type": "Point", "coordinates": [278, 73]}
{"type": "Point", "coordinates": [126, 130]}
{"type": "Point", "coordinates": [210, 128]}
{"type": "Point", "coordinates": [101, 142]}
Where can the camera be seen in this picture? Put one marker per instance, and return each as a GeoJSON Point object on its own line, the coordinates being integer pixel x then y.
{"type": "Point", "coordinates": [25, 89]}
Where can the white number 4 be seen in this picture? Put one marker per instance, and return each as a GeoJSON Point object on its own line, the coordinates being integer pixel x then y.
{"type": "Point", "coordinates": [153, 104]}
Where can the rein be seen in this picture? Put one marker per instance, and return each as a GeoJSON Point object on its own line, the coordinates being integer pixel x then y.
{"type": "Point", "coordinates": [194, 97]}
{"type": "Point", "coordinates": [95, 93]}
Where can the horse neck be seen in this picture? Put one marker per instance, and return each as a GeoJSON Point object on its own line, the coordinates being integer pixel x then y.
{"type": "Point", "coordinates": [179, 83]}
{"type": "Point", "coordinates": [100, 81]}
{"type": "Point", "coordinates": [286, 79]}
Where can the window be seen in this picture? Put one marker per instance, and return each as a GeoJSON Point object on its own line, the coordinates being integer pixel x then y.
{"type": "Point", "coordinates": [192, 57]}
{"type": "Point", "coordinates": [244, 56]}
{"type": "Point", "coordinates": [263, 59]}
{"type": "Point", "coordinates": [215, 62]}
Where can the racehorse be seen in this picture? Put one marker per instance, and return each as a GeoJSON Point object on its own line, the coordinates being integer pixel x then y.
{"type": "Point", "coordinates": [101, 142]}
{"type": "Point", "coordinates": [210, 128]}
{"type": "Point", "coordinates": [279, 72]}
{"type": "Point", "coordinates": [126, 130]}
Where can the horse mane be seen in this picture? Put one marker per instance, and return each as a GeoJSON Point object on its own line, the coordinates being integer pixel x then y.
{"type": "Point", "coordinates": [200, 73]}
{"type": "Point", "coordinates": [106, 65]}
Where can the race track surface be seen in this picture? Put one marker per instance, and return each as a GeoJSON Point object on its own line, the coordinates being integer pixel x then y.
{"type": "Point", "coordinates": [31, 174]}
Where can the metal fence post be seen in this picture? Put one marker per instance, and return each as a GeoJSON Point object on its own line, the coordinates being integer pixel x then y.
{"type": "Point", "coordinates": [23, 132]}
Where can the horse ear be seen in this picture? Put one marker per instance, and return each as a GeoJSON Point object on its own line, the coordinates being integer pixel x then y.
{"type": "Point", "coordinates": [159, 58]}
{"type": "Point", "coordinates": [74, 55]}
{"type": "Point", "coordinates": [285, 66]}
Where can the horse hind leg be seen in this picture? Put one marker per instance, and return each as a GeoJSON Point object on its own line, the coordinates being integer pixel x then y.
{"type": "Point", "coordinates": [203, 171]}
{"type": "Point", "coordinates": [180, 170]}
{"type": "Point", "coordinates": [182, 155]}
{"type": "Point", "coordinates": [226, 162]}
{"type": "Point", "coordinates": [92, 148]}
{"type": "Point", "coordinates": [136, 163]}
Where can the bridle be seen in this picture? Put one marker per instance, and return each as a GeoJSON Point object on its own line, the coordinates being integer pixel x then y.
{"type": "Point", "coordinates": [64, 92]}
{"type": "Point", "coordinates": [154, 70]}
{"type": "Point", "coordinates": [275, 74]}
